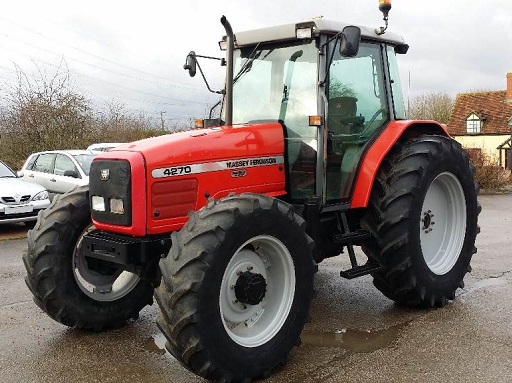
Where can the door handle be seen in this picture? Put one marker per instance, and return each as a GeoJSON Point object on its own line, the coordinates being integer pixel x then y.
{"type": "Point", "coordinates": [31, 175]}
{"type": "Point", "coordinates": [53, 180]}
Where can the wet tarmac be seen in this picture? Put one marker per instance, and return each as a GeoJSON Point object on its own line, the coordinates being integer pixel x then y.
{"type": "Point", "coordinates": [355, 333]}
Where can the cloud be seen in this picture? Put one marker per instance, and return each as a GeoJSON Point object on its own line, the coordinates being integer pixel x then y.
{"type": "Point", "coordinates": [135, 51]}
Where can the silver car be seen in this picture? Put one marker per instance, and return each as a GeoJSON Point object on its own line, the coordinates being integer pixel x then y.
{"type": "Point", "coordinates": [58, 171]}
{"type": "Point", "coordinates": [20, 201]}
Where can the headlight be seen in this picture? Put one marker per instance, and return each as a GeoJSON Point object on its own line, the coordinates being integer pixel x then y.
{"type": "Point", "coordinates": [98, 203]}
{"type": "Point", "coordinates": [116, 206]}
{"type": "Point", "coordinates": [40, 196]}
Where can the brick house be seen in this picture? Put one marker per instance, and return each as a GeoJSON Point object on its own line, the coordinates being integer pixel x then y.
{"type": "Point", "coordinates": [482, 122]}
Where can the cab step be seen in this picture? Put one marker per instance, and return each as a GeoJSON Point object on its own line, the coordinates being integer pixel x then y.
{"type": "Point", "coordinates": [359, 271]}
{"type": "Point", "coordinates": [351, 237]}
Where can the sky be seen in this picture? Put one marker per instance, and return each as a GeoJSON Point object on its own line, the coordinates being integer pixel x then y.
{"type": "Point", "coordinates": [132, 53]}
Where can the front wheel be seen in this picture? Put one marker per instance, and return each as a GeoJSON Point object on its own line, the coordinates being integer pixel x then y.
{"type": "Point", "coordinates": [72, 289]}
{"type": "Point", "coordinates": [236, 288]}
{"type": "Point", "coordinates": [423, 216]}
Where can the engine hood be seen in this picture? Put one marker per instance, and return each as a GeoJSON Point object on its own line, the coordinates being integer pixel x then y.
{"type": "Point", "coordinates": [205, 145]}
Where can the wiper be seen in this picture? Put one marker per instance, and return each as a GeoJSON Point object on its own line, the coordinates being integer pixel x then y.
{"type": "Point", "coordinates": [247, 66]}
{"type": "Point", "coordinates": [248, 63]}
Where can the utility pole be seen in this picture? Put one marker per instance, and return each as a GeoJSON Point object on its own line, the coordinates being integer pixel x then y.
{"type": "Point", "coordinates": [162, 119]}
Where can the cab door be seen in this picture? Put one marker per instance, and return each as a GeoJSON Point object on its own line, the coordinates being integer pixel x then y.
{"type": "Point", "coordinates": [357, 108]}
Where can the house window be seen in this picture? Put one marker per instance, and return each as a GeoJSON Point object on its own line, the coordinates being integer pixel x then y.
{"type": "Point", "coordinates": [473, 124]}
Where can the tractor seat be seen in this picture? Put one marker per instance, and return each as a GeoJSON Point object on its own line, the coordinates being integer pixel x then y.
{"type": "Point", "coordinates": [342, 117]}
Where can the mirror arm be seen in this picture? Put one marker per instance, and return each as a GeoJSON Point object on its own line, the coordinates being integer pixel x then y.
{"type": "Point", "coordinates": [322, 83]}
{"type": "Point", "coordinates": [221, 59]}
{"type": "Point", "coordinates": [206, 82]}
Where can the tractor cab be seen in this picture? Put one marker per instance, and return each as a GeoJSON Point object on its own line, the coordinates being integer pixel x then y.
{"type": "Point", "coordinates": [332, 86]}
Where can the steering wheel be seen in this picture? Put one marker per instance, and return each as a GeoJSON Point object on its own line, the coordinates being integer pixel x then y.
{"type": "Point", "coordinates": [374, 117]}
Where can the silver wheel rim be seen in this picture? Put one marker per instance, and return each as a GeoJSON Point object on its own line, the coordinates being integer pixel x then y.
{"type": "Point", "coordinates": [105, 288]}
{"type": "Point", "coordinates": [443, 223]}
{"type": "Point", "coordinates": [254, 325]}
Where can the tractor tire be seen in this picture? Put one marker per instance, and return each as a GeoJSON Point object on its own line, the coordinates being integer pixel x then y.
{"type": "Point", "coordinates": [423, 214]}
{"type": "Point", "coordinates": [236, 288]}
{"type": "Point", "coordinates": [75, 291]}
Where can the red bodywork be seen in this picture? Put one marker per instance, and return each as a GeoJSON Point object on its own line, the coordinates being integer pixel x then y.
{"type": "Point", "coordinates": [176, 173]}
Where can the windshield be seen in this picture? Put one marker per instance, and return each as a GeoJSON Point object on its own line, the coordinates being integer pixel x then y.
{"type": "Point", "coordinates": [280, 83]}
{"type": "Point", "coordinates": [5, 172]}
{"type": "Point", "coordinates": [274, 83]}
{"type": "Point", "coordinates": [84, 160]}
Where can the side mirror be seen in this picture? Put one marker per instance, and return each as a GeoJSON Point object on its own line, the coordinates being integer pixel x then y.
{"type": "Point", "coordinates": [71, 173]}
{"type": "Point", "coordinates": [350, 38]}
{"type": "Point", "coordinates": [190, 63]}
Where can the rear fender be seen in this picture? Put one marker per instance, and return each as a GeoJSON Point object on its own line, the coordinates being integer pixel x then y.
{"type": "Point", "coordinates": [381, 147]}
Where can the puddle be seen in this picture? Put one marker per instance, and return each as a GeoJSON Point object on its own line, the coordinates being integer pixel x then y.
{"type": "Point", "coordinates": [354, 341]}
{"type": "Point", "coordinates": [156, 344]}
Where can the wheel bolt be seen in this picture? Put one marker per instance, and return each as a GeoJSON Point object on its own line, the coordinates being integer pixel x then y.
{"type": "Point", "coordinates": [235, 301]}
{"type": "Point", "coordinates": [239, 272]}
{"type": "Point", "coordinates": [249, 268]}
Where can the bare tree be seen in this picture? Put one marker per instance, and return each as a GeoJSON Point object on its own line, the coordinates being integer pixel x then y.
{"type": "Point", "coordinates": [431, 106]}
{"type": "Point", "coordinates": [43, 112]}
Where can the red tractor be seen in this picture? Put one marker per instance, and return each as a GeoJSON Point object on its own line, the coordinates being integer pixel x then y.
{"type": "Point", "coordinates": [225, 225]}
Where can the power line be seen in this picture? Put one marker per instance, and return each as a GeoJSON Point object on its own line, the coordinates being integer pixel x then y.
{"type": "Point", "coordinates": [101, 80]}
{"type": "Point", "coordinates": [183, 85]}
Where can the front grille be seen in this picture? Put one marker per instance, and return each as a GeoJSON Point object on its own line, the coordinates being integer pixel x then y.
{"type": "Point", "coordinates": [171, 199]}
{"type": "Point", "coordinates": [12, 200]}
{"type": "Point", "coordinates": [111, 179]}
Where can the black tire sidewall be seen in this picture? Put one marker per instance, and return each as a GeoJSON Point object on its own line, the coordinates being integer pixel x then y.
{"type": "Point", "coordinates": [78, 309]}
{"type": "Point", "coordinates": [444, 162]}
{"type": "Point", "coordinates": [249, 360]}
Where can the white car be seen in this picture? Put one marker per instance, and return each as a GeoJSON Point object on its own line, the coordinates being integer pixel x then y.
{"type": "Point", "coordinates": [103, 147]}
{"type": "Point", "coordinates": [58, 171]}
{"type": "Point", "coordinates": [20, 201]}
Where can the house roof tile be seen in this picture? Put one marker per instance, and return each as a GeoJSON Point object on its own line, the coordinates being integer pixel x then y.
{"type": "Point", "coordinates": [492, 107]}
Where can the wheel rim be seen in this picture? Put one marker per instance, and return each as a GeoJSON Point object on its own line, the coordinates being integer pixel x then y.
{"type": "Point", "coordinates": [443, 223]}
{"type": "Point", "coordinates": [251, 325]}
{"type": "Point", "coordinates": [105, 287]}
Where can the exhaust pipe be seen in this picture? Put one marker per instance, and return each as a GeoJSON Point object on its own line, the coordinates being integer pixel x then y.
{"type": "Point", "coordinates": [228, 96]}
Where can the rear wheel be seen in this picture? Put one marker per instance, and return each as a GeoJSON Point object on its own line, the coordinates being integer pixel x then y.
{"type": "Point", "coordinates": [423, 215]}
{"type": "Point", "coordinates": [72, 289]}
{"type": "Point", "coordinates": [236, 288]}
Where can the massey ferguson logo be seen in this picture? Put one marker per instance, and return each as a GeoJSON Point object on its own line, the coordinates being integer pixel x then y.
{"type": "Point", "coordinates": [105, 174]}
{"type": "Point", "coordinates": [238, 173]}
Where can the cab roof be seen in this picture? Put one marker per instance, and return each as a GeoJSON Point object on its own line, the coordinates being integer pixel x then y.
{"type": "Point", "coordinates": [287, 32]}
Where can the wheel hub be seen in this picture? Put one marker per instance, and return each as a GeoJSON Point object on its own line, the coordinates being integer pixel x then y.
{"type": "Point", "coordinates": [250, 288]}
{"type": "Point", "coordinates": [427, 221]}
